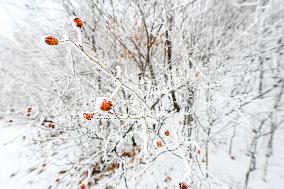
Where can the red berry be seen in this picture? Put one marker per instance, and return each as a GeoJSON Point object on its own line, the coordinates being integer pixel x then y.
{"type": "Point", "coordinates": [88, 116]}
{"type": "Point", "coordinates": [50, 40]}
{"type": "Point", "coordinates": [29, 109]}
{"type": "Point", "coordinates": [83, 186]}
{"type": "Point", "coordinates": [159, 143]}
{"type": "Point", "coordinates": [167, 133]}
{"type": "Point", "coordinates": [51, 125]}
{"type": "Point", "coordinates": [78, 22]}
{"type": "Point", "coordinates": [183, 185]}
{"type": "Point", "coordinates": [106, 105]}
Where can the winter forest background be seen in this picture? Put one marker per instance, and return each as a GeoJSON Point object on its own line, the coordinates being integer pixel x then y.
{"type": "Point", "coordinates": [196, 88]}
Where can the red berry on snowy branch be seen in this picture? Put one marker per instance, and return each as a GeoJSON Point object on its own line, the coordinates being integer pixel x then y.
{"type": "Point", "coordinates": [88, 116]}
{"type": "Point", "coordinates": [106, 105]}
{"type": "Point", "coordinates": [167, 133]}
{"type": "Point", "coordinates": [29, 111]}
{"type": "Point", "coordinates": [83, 186]}
{"type": "Point", "coordinates": [51, 125]}
{"type": "Point", "coordinates": [78, 22]}
{"type": "Point", "coordinates": [50, 40]}
{"type": "Point", "coordinates": [158, 143]}
{"type": "Point", "coordinates": [183, 185]}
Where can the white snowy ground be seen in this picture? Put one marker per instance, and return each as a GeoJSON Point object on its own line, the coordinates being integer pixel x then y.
{"type": "Point", "coordinates": [17, 156]}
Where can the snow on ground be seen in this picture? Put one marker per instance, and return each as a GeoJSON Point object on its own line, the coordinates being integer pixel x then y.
{"type": "Point", "coordinates": [13, 157]}
{"type": "Point", "coordinates": [18, 156]}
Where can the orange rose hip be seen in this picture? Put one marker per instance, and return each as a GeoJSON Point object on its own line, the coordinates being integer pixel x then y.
{"type": "Point", "coordinates": [106, 105]}
{"type": "Point", "coordinates": [88, 116]}
{"type": "Point", "coordinates": [78, 22]}
{"type": "Point", "coordinates": [50, 40]}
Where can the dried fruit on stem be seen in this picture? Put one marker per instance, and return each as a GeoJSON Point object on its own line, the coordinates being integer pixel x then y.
{"type": "Point", "coordinates": [88, 116]}
{"type": "Point", "coordinates": [50, 40]}
{"type": "Point", "coordinates": [51, 125]}
{"type": "Point", "coordinates": [167, 133]}
{"type": "Point", "coordinates": [78, 22]}
{"type": "Point", "coordinates": [106, 105]}
{"type": "Point", "coordinates": [183, 185]}
{"type": "Point", "coordinates": [83, 186]}
{"type": "Point", "coordinates": [158, 143]}
{"type": "Point", "coordinates": [29, 111]}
